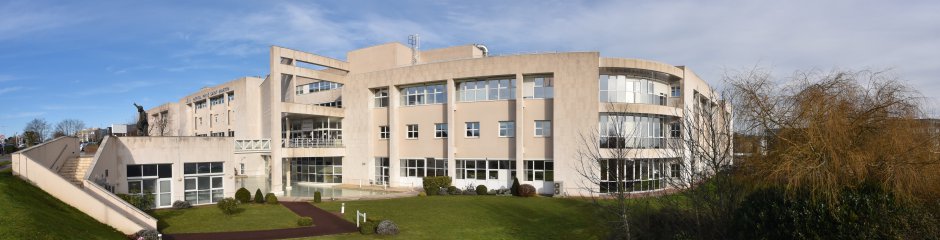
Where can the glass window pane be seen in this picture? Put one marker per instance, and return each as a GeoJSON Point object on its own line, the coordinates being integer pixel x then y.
{"type": "Point", "coordinates": [190, 184]}
{"type": "Point", "coordinates": [165, 170]}
{"type": "Point", "coordinates": [203, 183]}
{"type": "Point", "coordinates": [150, 170]}
{"type": "Point", "coordinates": [133, 187]}
{"type": "Point", "coordinates": [216, 167]}
{"type": "Point", "coordinates": [217, 182]}
{"type": "Point", "coordinates": [133, 171]}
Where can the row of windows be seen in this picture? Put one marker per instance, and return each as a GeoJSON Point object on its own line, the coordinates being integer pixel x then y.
{"type": "Point", "coordinates": [484, 169]}
{"type": "Point", "coordinates": [202, 182]}
{"type": "Point", "coordinates": [486, 90]}
{"type": "Point", "coordinates": [317, 87]}
{"type": "Point", "coordinates": [619, 130]}
{"type": "Point", "coordinates": [318, 169]}
{"type": "Point", "coordinates": [429, 167]}
{"type": "Point", "coordinates": [543, 128]}
{"type": "Point", "coordinates": [470, 91]}
{"type": "Point", "coordinates": [150, 171]}
{"type": "Point", "coordinates": [336, 104]}
{"type": "Point", "coordinates": [629, 89]}
{"type": "Point", "coordinates": [218, 100]}
{"type": "Point", "coordinates": [425, 94]}
{"type": "Point", "coordinates": [632, 175]}
{"type": "Point", "coordinates": [538, 87]}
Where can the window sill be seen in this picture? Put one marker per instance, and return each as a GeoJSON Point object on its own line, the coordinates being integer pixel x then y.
{"type": "Point", "coordinates": [411, 139]}
{"type": "Point", "coordinates": [472, 137]}
{"type": "Point", "coordinates": [543, 136]}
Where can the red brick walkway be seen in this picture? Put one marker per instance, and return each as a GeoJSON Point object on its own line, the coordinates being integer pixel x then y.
{"type": "Point", "coordinates": [324, 223]}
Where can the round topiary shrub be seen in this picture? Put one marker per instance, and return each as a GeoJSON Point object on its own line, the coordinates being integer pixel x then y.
{"type": "Point", "coordinates": [270, 198]}
{"type": "Point", "coordinates": [147, 234]}
{"type": "Point", "coordinates": [181, 205]}
{"type": "Point", "coordinates": [452, 190]}
{"type": "Point", "coordinates": [367, 227]}
{"type": "Point", "coordinates": [243, 195]}
{"type": "Point", "coordinates": [259, 197]}
{"type": "Point", "coordinates": [386, 227]}
{"type": "Point", "coordinates": [422, 194]}
{"type": "Point", "coordinates": [228, 206]}
{"type": "Point", "coordinates": [481, 190]}
{"type": "Point", "coordinates": [526, 190]}
{"type": "Point", "coordinates": [304, 221]}
{"type": "Point", "coordinates": [317, 197]}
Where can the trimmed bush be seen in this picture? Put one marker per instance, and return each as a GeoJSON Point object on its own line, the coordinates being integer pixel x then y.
{"type": "Point", "coordinates": [147, 234]}
{"type": "Point", "coordinates": [526, 190]}
{"type": "Point", "coordinates": [481, 190]}
{"type": "Point", "coordinates": [422, 194]}
{"type": "Point", "coordinates": [181, 205]}
{"type": "Point", "coordinates": [243, 195]}
{"type": "Point", "coordinates": [386, 227]}
{"type": "Point", "coordinates": [442, 192]}
{"type": "Point", "coordinates": [270, 198]}
{"type": "Point", "coordinates": [228, 206]}
{"type": "Point", "coordinates": [304, 221]}
{"type": "Point", "coordinates": [433, 184]}
{"type": "Point", "coordinates": [143, 202]}
{"type": "Point", "coordinates": [259, 197]}
{"type": "Point", "coordinates": [452, 190]}
{"type": "Point", "coordinates": [367, 227]}
{"type": "Point", "coordinates": [470, 192]}
{"type": "Point", "coordinates": [317, 197]}
{"type": "Point", "coordinates": [514, 190]}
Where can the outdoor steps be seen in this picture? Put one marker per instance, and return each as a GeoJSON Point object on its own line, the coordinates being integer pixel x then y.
{"type": "Point", "coordinates": [74, 169]}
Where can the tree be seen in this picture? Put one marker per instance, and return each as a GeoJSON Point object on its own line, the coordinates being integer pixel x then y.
{"type": "Point", "coordinates": [39, 129]}
{"type": "Point", "coordinates": [160, 125]}
{"type": "Point", "coordinates": [69, 127]}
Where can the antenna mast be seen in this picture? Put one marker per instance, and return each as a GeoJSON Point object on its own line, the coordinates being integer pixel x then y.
{"type": "Point", "coordinates": [415, 43]}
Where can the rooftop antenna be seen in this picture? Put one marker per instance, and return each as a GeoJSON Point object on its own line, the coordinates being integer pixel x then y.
{"type": "Point", "coordinates": [415, 43]}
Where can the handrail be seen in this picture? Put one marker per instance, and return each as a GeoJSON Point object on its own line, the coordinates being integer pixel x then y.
{"type": "Point", "coordinates": [115, 197]}
{"type": "Point", "coordinates": [252, 145]}
{"type": "Point", "coordinates": [312, 143]}
{"type": "Point", "coordinates": [52, 167]}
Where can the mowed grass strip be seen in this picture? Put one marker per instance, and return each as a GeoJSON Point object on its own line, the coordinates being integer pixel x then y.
{"type": "Point", "coordinates": [209, 218]}
{"type": "Point", "coordinates": [477, 217]}
{"type": "Point", "coordinates": [27, 212]}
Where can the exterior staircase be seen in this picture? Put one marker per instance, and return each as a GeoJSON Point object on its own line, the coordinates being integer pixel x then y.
{"type": "Point", "coordinates": [74, 169]}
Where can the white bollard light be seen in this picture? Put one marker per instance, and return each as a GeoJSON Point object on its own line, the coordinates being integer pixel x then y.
{"type": "Point", "coordinates": [342, 209]}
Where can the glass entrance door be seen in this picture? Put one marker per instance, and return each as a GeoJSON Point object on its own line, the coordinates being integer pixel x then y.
{"type": "Point", "coordinates": [162, 195]}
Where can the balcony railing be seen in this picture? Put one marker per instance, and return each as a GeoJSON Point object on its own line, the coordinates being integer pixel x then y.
{"type": "Point", "coordinates": [312, 143]}
{"type": "Point", "coordinates": [252, 145]}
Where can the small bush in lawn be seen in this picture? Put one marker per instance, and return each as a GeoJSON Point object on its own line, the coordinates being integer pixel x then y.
{"type": "Point", "coordinates": [481, 190]}
{"type": "Point", "coordinates": [367, 227]}
{"type": "Point", "coordinates": [270, 198]}
{"type": "Point", "coordinates": [243, 195]}
{"type": "Point", "coordinates": [259, 197]}
{"type": "Point", "coordinates": [514, 190]}
{"type": "Point", "coordinates": [433, 184]}
{"type": "Point", "coordinates": [147, 234]}
{"type": "Point", "coordinates": [304, 221]}
{"type": "Point", "coordinates": [227, 205]}
{"type": "Point", "coordinates": [317, 197]}
{"type": "Point", "coordinates": [526, 190]}
{"type": "Point", "coordinates": [422, 194]}
{"type": "Point", "coordinates": [143, 202]}
{"type": "Point", "coordinates": [386, 227]}
{"type": "Point", "coordinates": [181, 205]}
{"type": "Point", "coordinates": [453, 190]}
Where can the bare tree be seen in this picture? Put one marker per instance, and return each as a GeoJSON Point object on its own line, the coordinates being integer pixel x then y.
{"type": "Point", "coordinates": [39, 129]}
{"type": "Point", "coordinates": [160, 124]}
{"type": "Point", "coordinates": [69, 127]}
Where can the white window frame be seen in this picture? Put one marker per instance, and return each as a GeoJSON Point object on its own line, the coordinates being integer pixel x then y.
{"type": "Point", "coordinates": [383, 132]}
{"type": "Point", "coordinates": [472, 127]}
{"type": "Point", "coordinates": [507, 129]}
{"type": "Point", "coordinates": [543, 128]}
{"type": "Point", "coordinates": [412, 131]}
{"type": "Point", "coordinates": [675, 91]}
{"type": "Point", "coordinates": [440, 130]}
{"type": "Point", "coordinates": [380, 98]}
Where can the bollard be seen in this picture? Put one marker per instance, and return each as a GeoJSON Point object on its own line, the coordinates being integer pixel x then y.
{"type": "Point", "coordinates": [342, 209]}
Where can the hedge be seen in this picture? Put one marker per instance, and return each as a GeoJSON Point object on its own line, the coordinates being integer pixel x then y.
{"type": "Point", "coordinates": [434, 184]}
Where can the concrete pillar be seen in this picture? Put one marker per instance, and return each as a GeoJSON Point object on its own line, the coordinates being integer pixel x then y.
{"type": "Point", "coordinates": [287, 166]}
{"type": "Point", "coordinates": [274, 93]}
{"type": "Point", "coordinates": [452, 132]}
{"type": "Point", "coordinates": [520, 126]}
{"type": "Point", "coordinates": [394, 164]}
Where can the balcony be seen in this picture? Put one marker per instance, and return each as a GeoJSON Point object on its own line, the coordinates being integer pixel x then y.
{"type": "Point", "coordinates": [252, 145]}
{"type": "Point", "coordinates": [312, 143]}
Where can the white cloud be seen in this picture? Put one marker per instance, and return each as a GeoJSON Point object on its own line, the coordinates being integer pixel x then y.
{"type": "Point", "coordinates": [119, 87]}
{"type": "Point", "coordinates": [4, 78]}
{"type": "Point", "coordinates": [22, 115]}
{"type": "Point", "coordinates": [21, 18]}
{"type": "Point", "coordinates": [9, 90]}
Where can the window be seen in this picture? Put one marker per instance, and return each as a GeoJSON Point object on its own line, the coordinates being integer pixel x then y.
{"type": "Point", "coordinates": [336, 104]}
{"type": "Point", "coordinates": [484, 90]}
{"type": "Point", "coordinates": [676, 91]}
{"type": "Point", "coordinates": [424, 94]}
{"type": "Point", "coordinates": [484, 169]}
{"type": "Point", "coordinates": [231, 97]}
{"type": "Point", "coordinates": [440, 130]}
{"type": "Point", "coordinates": [412, 131]}
{"type": "Point", "coordinates": [674, 170]}
{"type": "Point", "coordinates": [317, 169]}
{"type": "Point", "coordinates": [149, 171]}
{"type": "Point", "coordinates": [231, 133]}
{"type": "Point", "coordinates": [217, 100]}
{"type": "Point", "coordinates": [473, 129]}
{"type": "Point", "coordinates": [381, 170]}
{"type": "Point", "coordinates": [539, 87]}
{"type": "Point", "coordinates": [630, 89]}
{"type": "Point", "coordinates": [543, 128]}
{"type": "Point", "coordinates": [436, 167]}
{"type": "Point", "coordinates": [299, 90]}
{"type": "Point", "coordinates": [412, 168]}
{"type": "Point", "coordinates": [202, 182]}
{"type": "Point", "coordinates": [217, 134]}
{"type": "Point", "coordinates": [539, 170]}
{"type": "Point", "coordinates": [381, 98]}
{"type": "Point", "coordinates": [241, 168]}
{"type": "Point", "coordinates": [200, 105]}
{"type": "Point", "coordinates": [619, 130]}
{"type": "Point", "coordinates": [507, 129]}
{"type": "Point", "coordinates": [635, 175]}
{"type": "Point", "coordinates": [383, 132]}
{"type": "Point", "coordinates": [287, 61]}
{"type": "Point", "coordinates": [675, 130]}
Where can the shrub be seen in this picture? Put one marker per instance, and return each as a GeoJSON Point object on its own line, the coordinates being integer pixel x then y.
{"type": "Point", "coordinates": [270, 198]}
{"type": "Point", "coordinates": [481, 190]}
{"type": "Point", "coordinates": [514, 190]}
{"type": "Point", "coordinates": [422, 194]}
{"type": "Point", "coordinates": [147, 234]}
{"type": "Point", "coordinates": [259, 197]}
{"type": "Point", "coordinates": [367, 227]}
{"type": "Point", "coordinates": [144, 202]}
{"type": "Point", "coordinates": [433, 184]}
{"type": "Point", "coordinates": [243, 195]}
{"type": "Point", "coordinates": [317, 197]}
{"type": "Point", "coordinates": [442, 192]}
{"type": "Point", "coordinates": [228, 206]}
{"type": "Point", "coordinates": [470, 192]}
{"type": "Point", "coordinates": [181, 205]}
{"type": "Point", "coordinates": [304, 221]}
{"type": "Point", "coordinates": [526, 190]}
{"type": "Point", "coordinates": [453, 190]}
{"type": "Point", "coordinates": [386, 227]}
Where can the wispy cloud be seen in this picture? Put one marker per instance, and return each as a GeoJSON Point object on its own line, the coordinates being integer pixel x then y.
{"type": "Point", "coordinates": [4, 78]}
{"type": "Point", "coordinates": [24, 17]}
{"type": "Point", "coordinates": [118, 87]}
{"type": "Point", "coordinates": [6, 90]}
{"type": "Point", "coordinates": [22, 115]}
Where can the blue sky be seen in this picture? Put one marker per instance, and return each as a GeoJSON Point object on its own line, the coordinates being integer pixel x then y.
{"type": "Point", "coordinates": [91, 60]}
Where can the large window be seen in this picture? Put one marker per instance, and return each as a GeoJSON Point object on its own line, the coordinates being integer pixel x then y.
{"type": "Point", "coordinates": [539, 87]}
{"type": "Point", "coordinates": [317, 86]}
{"type": "Point", "coordinates": [425, 94]}
{"type": "Point", "coordinates": [200, 105]}
{"type": "Point", "coordinates": [636, 175]}
{"type": "Point", "coordinates": [484, 169]}
{"type": "Point", "coordinates": [676, 91]}
{"type": "Point", "coordinates": [381, 170]}
{"type": "Point", "coordinates": [317, 169]}
{"type": "Point", "coordinates": [619, 130]}
{"type": "Point", "coordinates": [539, 170]}
{"type": "Point", "coordinates": [383, 132]}
{"type": "Point", "coordinates": [150, 179]}
{"type": "Point", "coordinates": [543, 128]}
{"type": "Point", "coordinates": [423, 167]}
{"type": "Point", "coordinates": [412, 131]}
{"type": "Point", "coordinates": [217, 101]}
{"type": "Point", "coordinates": [473, 129]}
{"type": "Point", "coordinates": [630, 89]}
{"type": "Point", "coordinates": [487, 90]}
{"type": "Point", "coordinates": [675, 130]}
{"type": "Point", "coordinates": [231, 97]}
{"type": "Point", "coordinates": [381, 97]}
{"type": "Point", "coordinates": [507, 129]}
{"type": "Point", "coordinates": [203, 182]}
{"type": "Point", "coordinates": [440, 130]}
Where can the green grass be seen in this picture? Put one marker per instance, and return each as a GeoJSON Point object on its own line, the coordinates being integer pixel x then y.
{"type": "Point", "coordinates": [4, 163]}
{"type": "Point", "coordinates": [477, 217]}
{"type": "Point", "coordinates": [27, 212]}
{"type": "Point", "coordinates": [209, 218]}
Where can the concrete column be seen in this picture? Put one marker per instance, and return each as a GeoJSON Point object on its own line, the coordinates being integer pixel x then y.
{"type": "Point", "coordinates": [452, 132]}
{"type": "Point", "coordinates": [394, 164]}
{"type": "Point", "coordinates": [287, 175]}
{"type": "Point", "coordinates": [520, 126]}
{"type": "Point", "coordinates": [274, 92]}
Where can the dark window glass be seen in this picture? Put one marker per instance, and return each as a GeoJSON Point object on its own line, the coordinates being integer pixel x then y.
{"type": "Point", "coordinates": [165, 170]}
{"type": "Point", "coordinates": [216, 167]}
{"type": "Point", "coordinates": [203, 167]}
{"type": "Point", "coordinates": [133, 171]}
{"type": "Point", "coordinates": [189, 168]}
{"type": "Point", "coordinates": [150, 170]}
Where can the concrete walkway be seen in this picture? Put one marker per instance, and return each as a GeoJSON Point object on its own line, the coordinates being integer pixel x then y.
{"type": "Point", "coordinates": [6, 158]}
{"type": "Point", "coordinates": [324, 223]}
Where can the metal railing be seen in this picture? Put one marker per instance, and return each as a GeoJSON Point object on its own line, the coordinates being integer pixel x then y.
{"type": "Point", "coordinates": [312, 143]}
{"type": "Point", "coordinates": [252, 145]}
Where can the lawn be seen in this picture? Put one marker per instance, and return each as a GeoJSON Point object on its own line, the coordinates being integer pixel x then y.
{"type": "Point", "coordinates": [27, 212]}
{"type": "Point", "coordinates": [478, 217]}
{"type": "Point", "coordinates": [209, 218]}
